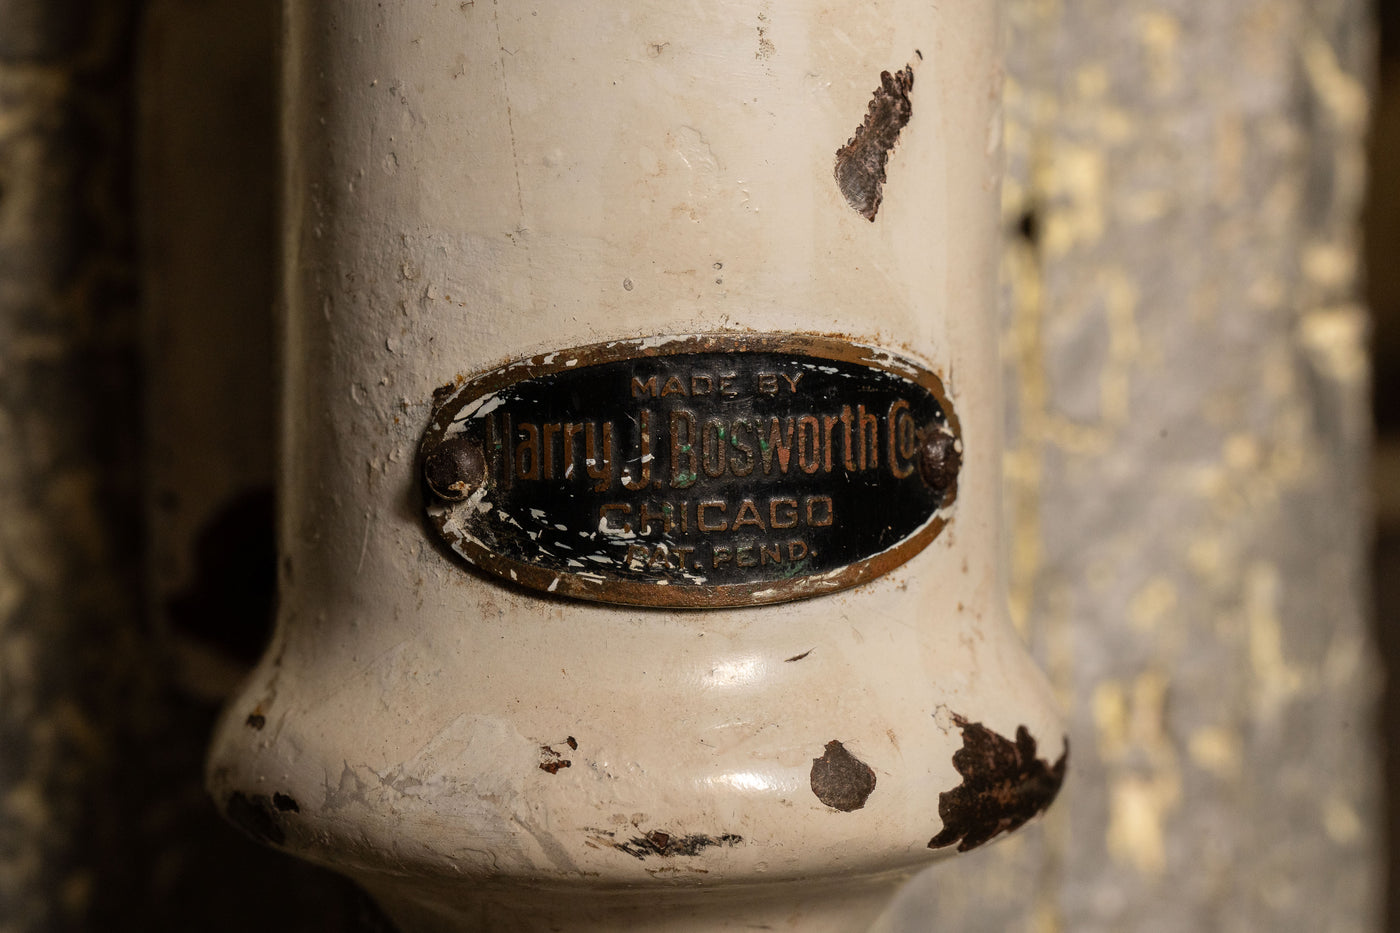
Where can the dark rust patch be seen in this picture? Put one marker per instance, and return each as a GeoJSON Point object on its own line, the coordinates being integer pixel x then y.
{"type": "Point", "coordinates": [659, 842]}
{"type": "Point", "coordinates": [798, 657]}
{"type": "Point", "coordinates": [255, 721]}
{"type": "Point", "coordinates": [841, 780]}
{"type": "Point", "coordinates": [1004, 785]}
{"type": "Point", "coordinates": [255, 816]}
{"type": "Point", "coordinates": [551, 761]}
{"type": "Point", "coordinates": [860, 164]}
{"type": "Point", "coordinates": [285, 803]}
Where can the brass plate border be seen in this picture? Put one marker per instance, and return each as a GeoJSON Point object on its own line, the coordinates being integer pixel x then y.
{"type": "Point", "coordinates": [691, 596]}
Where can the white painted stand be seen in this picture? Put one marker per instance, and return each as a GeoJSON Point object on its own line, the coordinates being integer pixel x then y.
{"type": "Point", "coordinates": [473, 182]}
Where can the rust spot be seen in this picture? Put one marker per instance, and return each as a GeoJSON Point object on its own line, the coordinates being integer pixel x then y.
{"type": "Point", "coordinates": [285, 803]}
{"type": "Point", "coordinates": [659, 842]}
{"type": "Point", "coordinates": [841, 780]}
{"type": "Point", "coordinates": [1004, 785]}
{"type": "Point", "coordinates": [799, 657]}
{"type": "Point", "coordinates": [860, 164]}
{"type": "Point", "coordinates": [255, 816]}
{"type": "Point", "coordinates": [765, 45]}
{"type": "Point", "coordinates": [255, 720]}
{"type": "Point", "coordinates": [551, 761]}
{"type": "Point", "coordinates": [571, 742]}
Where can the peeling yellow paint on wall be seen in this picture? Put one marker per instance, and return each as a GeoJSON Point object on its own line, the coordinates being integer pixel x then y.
{"type": "Point", "coordinates": [1241, 453]}
{"type": "Point", "coordinates": [1138, 809]}
{"type": "Point", "coordinates": [1144, 781]}
{"type": "Point", "coordinates": [1046, 918]}
{"type": "Point", "coordinates": [1210, 562]}
{"type": "Point", "coordinates": [1341, 821]}
{"type": "Point", "coordinates": [1335, 338]}
{"type": "Point", "coordinates": [1075, 197]}
{"type": "Point", "coordinates": [1160, 34]}
{"type": "Point", "coordinates": [1115, 383]}
{"type": "Point", "coordinates": [1153, 603]}
{"type": "Point", "coordinates": [1092, 81]}
{"type": "Point", "coordinates": [1276, 681]}
{"type": "Point", "coordinates": [1021, 461]}
{"type": "Point", "coordinates": [1343, 95]}
{"type": "Point", "coordinates": [1143, 207]}
{"type": "Point", "coordinates": [1216, 749]}
{"type": "Point", "coordinates": [1231, 147]}
{"type": "Point", "coordinates": [1330, 265]}
{"type": "Point", "coordinates": [1109, 703]}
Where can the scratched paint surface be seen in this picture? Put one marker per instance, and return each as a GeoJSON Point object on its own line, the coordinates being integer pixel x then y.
{"type": "Point", "coordinates": [1186, 391]}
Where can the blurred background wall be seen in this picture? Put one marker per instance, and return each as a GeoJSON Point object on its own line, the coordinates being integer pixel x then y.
{"type": "Point", "coordinates": [1189, 451]}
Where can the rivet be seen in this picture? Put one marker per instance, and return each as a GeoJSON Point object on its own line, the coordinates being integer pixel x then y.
{"type": "Point", "coordinates": [939, 461]}
{"type": "Point", "coordinates": [455, 468]}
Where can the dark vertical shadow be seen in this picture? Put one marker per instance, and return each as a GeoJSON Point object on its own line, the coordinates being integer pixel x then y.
{"type": "Point", "coordinates": [198, 88]}
{"type": "Point", "coordinates": [1382, 248]}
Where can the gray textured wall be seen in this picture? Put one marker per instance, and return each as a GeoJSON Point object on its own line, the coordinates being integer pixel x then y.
{"type": "Point", "coordinates": [1187, 434]}
{"type": "Point", "coordinates": [1187, 389]}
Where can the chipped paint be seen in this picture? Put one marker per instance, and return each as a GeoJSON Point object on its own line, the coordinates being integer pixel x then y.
{"type": "Point", "coordinates": [1004, 786]}
{"type": "Point", "coordinates": [860, 163]}
{"type": "Point", "coordinates": [841, 780]}
{"type": "Point", "coordinates": [665, 844]}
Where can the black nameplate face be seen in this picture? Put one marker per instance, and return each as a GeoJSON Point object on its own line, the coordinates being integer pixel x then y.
{"type": "Point", "coordinates": [716, 470]}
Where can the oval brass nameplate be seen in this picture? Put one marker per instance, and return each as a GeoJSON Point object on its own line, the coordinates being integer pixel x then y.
{"type": "Point", "coordinates": [704, 471]}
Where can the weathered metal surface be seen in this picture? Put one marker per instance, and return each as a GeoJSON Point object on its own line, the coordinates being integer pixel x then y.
{"type": "Point", "coordinates": [705, 471]}
{"type": "Point", "coordinates": [481, 183]}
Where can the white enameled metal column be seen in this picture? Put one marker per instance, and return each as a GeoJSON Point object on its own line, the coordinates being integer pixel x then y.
{"type": "Point", "coordinates": [472, 182]}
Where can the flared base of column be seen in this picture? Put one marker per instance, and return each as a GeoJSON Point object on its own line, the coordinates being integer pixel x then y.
{"type": "Point", "coordinates": [841, 906]}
